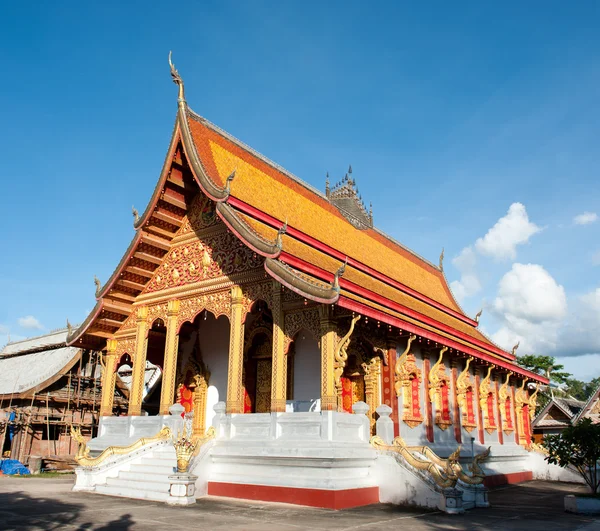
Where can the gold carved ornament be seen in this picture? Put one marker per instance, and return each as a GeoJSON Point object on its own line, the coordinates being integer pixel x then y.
{"type": "Point", "coordinates": [187, 446]}
{"type": "Point", "coordinates": [533, 403]}
{"type": "Point", "coordinates": [521, 401]}
{"type": "Point", "coordinates": [340, 357]}
{"type": "Point", "coordinates": [505, 405]}
{"type": "Point", "coordinates": [464, 384]}
{"type": "Point", "coordinates": [437, 380]}
{"type": "Point", "coordinates": [444, 472]}
{"type": "Point", "coordinates": [484, 394]}
{"type": "Point", "coordinates": [82, 456]}
{"type": "Point", "coordinates": [307, 319]}
{"type": "Point", "coordinates": [372, 371]}
{"type": "Point", "coordinates": [217, 255]}
{"type": "Point", "coordinates": [406, 371]}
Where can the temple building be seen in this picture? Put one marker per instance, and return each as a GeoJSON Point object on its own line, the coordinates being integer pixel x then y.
{"type": "Point", "coordinates": [561, 412]}
{"type": "Point", "coordinates": [283, 318]}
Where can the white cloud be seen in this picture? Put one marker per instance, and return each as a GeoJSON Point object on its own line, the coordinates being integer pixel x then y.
{"type": "Point", "coordinates": [531, 306]}
{"type": "Point", "coordinates": [586, 218]}
{"type": "Point", "coordinates": [469, 284]}
{"type": "Point", "coordinates": [30, 322]}
{"type": "Point", "coordinates": [502, 239]}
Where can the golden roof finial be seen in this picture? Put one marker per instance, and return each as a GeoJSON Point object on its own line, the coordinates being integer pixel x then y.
{"type": "Point", "coordinates": [177, 80]}
{"type": "Point", "coordinates": [442, 260]}
{"type": "Point", "coordinates": [98, 285]}
{"type": "Point", "coordinates": [69, 326]}
{"type": "Point", "coordinates": [514, 349]}
{"type": "Point", "coordinates": [478, 316]}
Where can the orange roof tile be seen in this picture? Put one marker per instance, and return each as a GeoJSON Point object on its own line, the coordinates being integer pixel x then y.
{"type": "Point", "coordinates": [269, 189]}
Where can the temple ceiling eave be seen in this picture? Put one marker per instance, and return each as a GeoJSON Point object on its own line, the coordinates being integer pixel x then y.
{"type": "Point", "coordinates": [300, 283]}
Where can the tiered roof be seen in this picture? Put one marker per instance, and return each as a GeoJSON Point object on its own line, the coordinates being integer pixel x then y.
{"type": "Point", "coordinates": [322, 246]}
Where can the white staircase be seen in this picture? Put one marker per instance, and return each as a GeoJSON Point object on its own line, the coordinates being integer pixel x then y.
{"type": "Point", "coordinates": [148, 479]}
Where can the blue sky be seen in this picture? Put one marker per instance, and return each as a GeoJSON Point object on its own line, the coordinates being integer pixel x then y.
{"type": "Point", "coordinates": [448, 116]}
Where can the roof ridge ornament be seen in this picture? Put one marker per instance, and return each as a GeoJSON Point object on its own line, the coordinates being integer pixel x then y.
{"type": "Point", "coordinates": [514, 349]}
{"type": "Point", "coordinates": [442, 260]}
{"type": "Point", "coordinates": [136, 215]}
{"type": "Point", "coordinates": [177, 80]}
{"type": "Point", "coordinates": [282, 230]}
{"type": "Point", "coordinates": [478, 316]}
{"type": "Point", "coordinates": [69, 327]}
{"type": "Point", "coordinates": [228, 181]}
{"type": "Point", "coordinates": [98, 285]}
{"type": "Point", "coordinates": [335, 285]}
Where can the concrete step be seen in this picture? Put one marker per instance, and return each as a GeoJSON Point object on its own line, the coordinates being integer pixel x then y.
{"type": "Point", "coordinates": [138, 494]}
{"type": "Point", "coordinates": [136, 475]}
{"type": "Point", "coordinates": [156, 485]}
{"type": "Point", "coordinates": [152, 468]}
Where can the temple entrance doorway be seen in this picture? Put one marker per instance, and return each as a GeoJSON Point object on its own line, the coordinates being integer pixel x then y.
{"type": "Point", "coordinates": [258, 352]}
{"type": "Point", "coordinates": [155, 360]}
{"type": "Point", "coordinates": [202, 367]}
{"type": "Point", "coordinates": [353, 382]}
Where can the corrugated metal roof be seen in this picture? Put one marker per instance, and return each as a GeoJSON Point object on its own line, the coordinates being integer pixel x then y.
{"type": "Point", "coordinates": [58, 337]}
{"type": "Point", "coordinates": [21, 373]}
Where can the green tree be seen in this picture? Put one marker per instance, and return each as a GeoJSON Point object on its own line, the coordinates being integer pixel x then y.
{"type": "Point", "coordinates": [544, 365]}
{"type": "Point", "coordinates": [578, 446]}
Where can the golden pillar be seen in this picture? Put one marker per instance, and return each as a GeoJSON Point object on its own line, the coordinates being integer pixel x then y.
{"type": "Point", "coordinates": [109, 378]}
{"type": "Point", "coordinates": [139, 362]}
{"type": "Point", "coordinates": [235, 398]}
{"type": "Point", "coordinates": [200, 390]}
{"type": "Point", "coordinates": [328, 390]}
{"type": "Point", "coordinates": [279, 362]}
{"type": "Point", "coordinates": [372, 376]}
{"type": "Point", "coordinates": [170, 362]}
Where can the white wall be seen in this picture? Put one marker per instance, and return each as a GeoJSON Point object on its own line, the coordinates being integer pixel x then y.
{"type": "Point", "coordinates": [214, 347]}
{"type": "Point", "coordinates": [307, 367]}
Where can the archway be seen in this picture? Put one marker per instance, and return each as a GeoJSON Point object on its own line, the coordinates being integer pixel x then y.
{"type": "Point", "coordinates": [304, 373]}
{"type": "Point", "coordinates": [203, 357]}
{"type": "Point", "coordinates": [258, 352]}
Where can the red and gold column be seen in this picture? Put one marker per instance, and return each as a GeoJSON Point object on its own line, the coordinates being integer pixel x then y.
{"type": "Point", "coordinates": [328, 391]}
{"type": "Point", "coordinates": [167, 392]}
{"type": "Point", "coordinates": [235, 398]}
{"type": "Point", "coordinates": [139, 362]}
{"type": "Point", "coordinates": [279, 362]}
{"type": "Point", "coordinates": [109, 378]}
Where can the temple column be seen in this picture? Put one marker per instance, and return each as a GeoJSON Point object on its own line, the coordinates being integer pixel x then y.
{"type": "Point", "coordinates": [139, 362]}
{"type": "Point", "coordinates": [109, 378]}
{"type": "Point", "coordinates": [372, 374]}
{"type": "Point", "coordinates": [456, 409]}
{"type": "Point", "coordinates": [478, 402]}
{"type": "Point", "coordinates": [428, 405]}
{"type": "Point", "coordinates": [279, 362]}
{"type": "Point", "coordinates": [235, 398]}
{"type": "Point", "coordinates": [167, 392]}
{"type": "Point", "coordinates": [499, 409]}
{"type": "Point", "coordinates": [328, 391]}
{"type": "Point", "coordinates": [389, 392]}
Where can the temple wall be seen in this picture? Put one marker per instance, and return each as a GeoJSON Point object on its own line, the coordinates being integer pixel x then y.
{"type": "Point", "coordinates": [307, 368]}
{"type": "Point", "coordinates": [214, 345]}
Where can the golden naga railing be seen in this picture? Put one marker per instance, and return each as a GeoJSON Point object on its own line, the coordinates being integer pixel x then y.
{"type": "Point", "coordinates": [444, 472]}
{"type": "Point", "coordinates": [83, 452]}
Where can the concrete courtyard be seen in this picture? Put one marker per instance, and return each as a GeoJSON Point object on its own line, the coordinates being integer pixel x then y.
{"type": "Point", "coordinates": [48, 504]}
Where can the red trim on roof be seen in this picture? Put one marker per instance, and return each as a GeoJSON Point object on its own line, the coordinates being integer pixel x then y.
{"type": "Point", "coordinates": [316, 244]}
{"type": "Point", "coordinates": [432, 336]}
{"type": "Point", "coordinates": [363, 292]}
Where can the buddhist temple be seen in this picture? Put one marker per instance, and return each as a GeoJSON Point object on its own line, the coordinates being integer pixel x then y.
{"type": "Point", "coordinates": [302, 346]}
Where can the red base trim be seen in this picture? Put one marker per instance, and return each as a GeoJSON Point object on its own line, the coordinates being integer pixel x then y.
{"type": "Point", "coordinates": [325, 499]}
{"type": "Point", "coordinates": [507, 479]}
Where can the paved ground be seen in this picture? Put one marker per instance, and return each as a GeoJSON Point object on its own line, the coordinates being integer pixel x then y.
{"type": "Point", "coordinates": [48, 504]}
